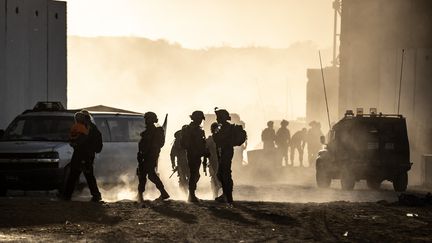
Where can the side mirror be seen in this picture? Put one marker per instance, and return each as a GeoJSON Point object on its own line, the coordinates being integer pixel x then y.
{"type": "Point", "coordinates": [322, 140]}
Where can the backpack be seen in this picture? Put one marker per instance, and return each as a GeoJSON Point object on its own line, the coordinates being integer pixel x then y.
{"type": "Point", "coordinates": [239, 135]}
{"type": "Point", "coordinates": [185, 137]}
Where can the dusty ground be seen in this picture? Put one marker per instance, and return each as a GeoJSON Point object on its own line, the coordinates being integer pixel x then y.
{"type": "Point", "coordinates": [43, 218]}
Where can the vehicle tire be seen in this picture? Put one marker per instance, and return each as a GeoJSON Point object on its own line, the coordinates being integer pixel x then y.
{"type": "Point", "coordinates": [322, 178]}
{"type": "Point", "coordinates": [373, 184]}
{"type": "Point", "coordinates": [347, 180]}
{"type": "Point", "coordinates": [400, 182]}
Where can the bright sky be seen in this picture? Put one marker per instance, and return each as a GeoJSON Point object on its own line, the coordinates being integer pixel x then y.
{"type": "Point", "coordinates": [204, 23]}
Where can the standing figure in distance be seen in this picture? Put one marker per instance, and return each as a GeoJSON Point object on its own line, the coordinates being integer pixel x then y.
{"type": "Point", "coordinates": [193, 140]}
{"type": "Point", "coordinates": [283, 138]}
{"type": "Point", "coordinates": [152, 140]}
{"type": "Point", "coordinates": [298, 142]}
{"type": "Point", "coordinates": [268, 136]}
{"type": "Point", "coordinates": [313, 142]}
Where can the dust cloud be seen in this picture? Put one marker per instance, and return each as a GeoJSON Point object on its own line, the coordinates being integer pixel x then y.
{"type": "Point", "coordinates": [259, 84]}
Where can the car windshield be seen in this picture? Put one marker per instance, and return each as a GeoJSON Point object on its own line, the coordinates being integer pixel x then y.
{"type": "Point", "coordinates": [39, 128]}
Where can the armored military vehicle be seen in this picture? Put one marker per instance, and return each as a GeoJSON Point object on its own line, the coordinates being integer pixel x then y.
{"type": "Point", "coordinates": [373, 147]}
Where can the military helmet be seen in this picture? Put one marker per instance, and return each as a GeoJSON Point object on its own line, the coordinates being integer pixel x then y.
{"type": "Point", "coordinates": [284, 123]}
{"type": "Point", "coordinates": [270, 123]}
{"type": "Point", "coordinates": [151, 117]}
{"type": "Point", "coordinates": [197, 115]}
{"type": "Point", "coordinates": [222, 114]}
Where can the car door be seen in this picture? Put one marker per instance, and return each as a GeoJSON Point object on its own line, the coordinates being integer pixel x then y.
{"type": "Point", "coordinates": [117, 161]}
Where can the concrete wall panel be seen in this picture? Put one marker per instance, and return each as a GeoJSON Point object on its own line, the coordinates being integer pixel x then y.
{"type": "Point", "coordinates": [57, 52]}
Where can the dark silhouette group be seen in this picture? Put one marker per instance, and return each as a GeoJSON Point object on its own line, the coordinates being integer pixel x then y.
{"type": "Point", "coordinates": [282, 142]}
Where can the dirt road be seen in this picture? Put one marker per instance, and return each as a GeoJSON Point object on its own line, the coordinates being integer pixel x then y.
{"type": "Point", "coordinates": [42, 218]}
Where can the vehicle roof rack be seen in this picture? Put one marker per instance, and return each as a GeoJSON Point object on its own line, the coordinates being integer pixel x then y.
{"type": "Point", "coordinates": [49, 106]}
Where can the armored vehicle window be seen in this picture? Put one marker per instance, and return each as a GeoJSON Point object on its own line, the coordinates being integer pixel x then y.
{"type": "Point", "coordinates": [39, 128]}
{"type": "Point", "coordinates": [126, 129]}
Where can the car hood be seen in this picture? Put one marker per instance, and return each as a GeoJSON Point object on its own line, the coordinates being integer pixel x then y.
{"type": "Point", "coordinates": [29, 146]}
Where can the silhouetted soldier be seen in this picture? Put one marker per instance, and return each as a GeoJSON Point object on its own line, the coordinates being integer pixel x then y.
{"type": "Point", "coordinates": [84, 139]}
{"type": "Point", "coordinates": [313, 141]}
{"type": "Point", "coordinates": [152, 140]}
{"type": "Point", "coordinates": [177, 151]}
{"type": "Point", "coordinates": [223, 139]}
{"type": "Point", "coordinates": [298, 143]}
{"type": "Point", "coordinates": [193, 140]}
{"type": "Point", "coordinates": [268, 136]}
{"type": "Point", "coordinates": [283, 138]}
{"type": "Point", "coordinates": [213, 161]}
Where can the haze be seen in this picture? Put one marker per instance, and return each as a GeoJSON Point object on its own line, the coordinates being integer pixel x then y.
{"type": "Point", "coordinates": [247, 56]}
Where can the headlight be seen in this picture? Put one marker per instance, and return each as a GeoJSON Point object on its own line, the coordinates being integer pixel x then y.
{"type": "Point", "coordinates": [48, 155]}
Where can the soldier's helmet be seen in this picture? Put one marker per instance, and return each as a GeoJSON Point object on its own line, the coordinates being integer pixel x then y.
{"type": "Point", "coordinates": [222, 114]}
{"type": "Point", "coordinates": [150, 117]}
{"type": "Point", "coordinates": [270, 123]}
{"type": "Point", "coordinates": [197, 115]}
{"type": "Point", "coordinates": [284, 123]}
{"type": "Point", "coordinates": [80, 117]}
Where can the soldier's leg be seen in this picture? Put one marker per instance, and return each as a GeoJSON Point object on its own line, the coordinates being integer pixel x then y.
{"type": "Point", "coordinates": [142, 178]}
{"type": "Point", "coordinates": [91, 181]}
{"type": "Point", "coordinates": [300, 155]}
{"type": "Point", "coordinates": [226, 177]}
{"type": "Point", "coordinates": [71, 180]}
{"type": "Point", "coordinates": [194, 166]}
{"type": "Point", "coordinates": [292, 152]}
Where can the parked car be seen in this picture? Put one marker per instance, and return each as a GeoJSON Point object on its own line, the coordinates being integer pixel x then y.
{"type": "Point", "coordinates": [35, 151]}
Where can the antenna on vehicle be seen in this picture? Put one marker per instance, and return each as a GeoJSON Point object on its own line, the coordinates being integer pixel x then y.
{"type": "Point", "coordinates": [325, 91]}
{"type": "Point", "coordinates": [400, 81]}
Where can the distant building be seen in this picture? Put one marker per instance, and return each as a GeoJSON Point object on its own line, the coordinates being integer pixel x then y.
{"type": "Point", "coordinates": [315, 101]}
{"type": "Point", "coordinates": [32, 55]}
{"type": "Point", "coordinates": [373, 34]}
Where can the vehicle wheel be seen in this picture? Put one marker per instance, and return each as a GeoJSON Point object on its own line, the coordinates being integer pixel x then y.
{"type": "Point", "coordinates": [400, 182]}
{"type": "Point", "coordinates": [322, 178]}
{"type": "Point", "coordinates": [373, 184]}
{"type": "Point", "coordinates": [347, 180]}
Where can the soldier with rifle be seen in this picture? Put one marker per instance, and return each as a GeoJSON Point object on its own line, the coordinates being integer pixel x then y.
{"type": "Point", "coordinates": [152, 140]}
{"type": "Point", "coordinates": [181, 167]}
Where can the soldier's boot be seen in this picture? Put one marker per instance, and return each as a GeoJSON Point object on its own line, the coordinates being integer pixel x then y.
{"type": "Point", "coordinates": [164, 195]}
{"type": "Point", "coordinates": [192, 198]}
{"type": "Point", "coordinates": [140, 197]}
{"type": "Point", "coordinates": [221, 199]}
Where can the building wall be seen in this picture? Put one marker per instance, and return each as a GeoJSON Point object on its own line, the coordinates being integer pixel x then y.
{"type": "Point", "coordinates": [373, 35]}
{"type": "Point", "coordinates": [31, 49]}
